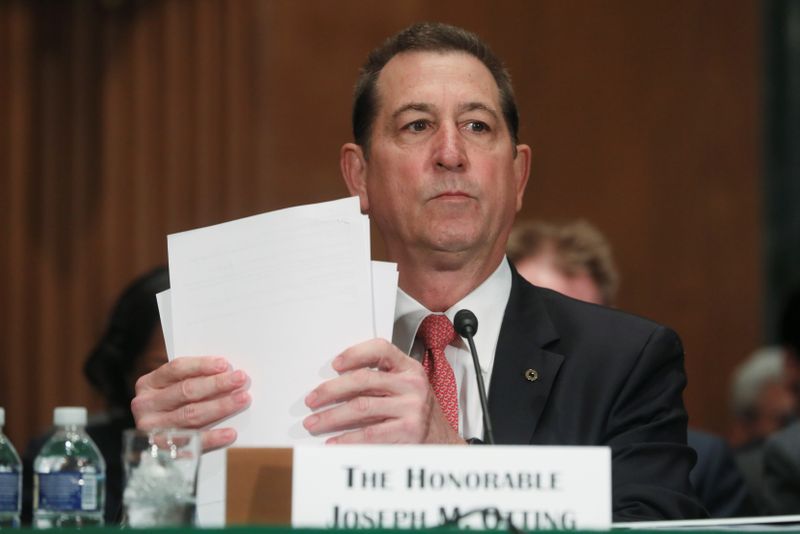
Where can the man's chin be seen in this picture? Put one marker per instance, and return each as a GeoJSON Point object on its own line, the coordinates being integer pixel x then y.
{"type": "Point", "coordinates": [454, 248]}
{"type": "Point", "coordinates": [454, 238]}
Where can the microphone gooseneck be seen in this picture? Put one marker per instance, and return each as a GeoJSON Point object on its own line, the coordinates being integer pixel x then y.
{"type": "Point", "coordinates": [466, 325]}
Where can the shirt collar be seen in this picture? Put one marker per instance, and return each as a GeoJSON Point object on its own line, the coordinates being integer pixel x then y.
{"type": "Point", "coordinates": [487, 301]}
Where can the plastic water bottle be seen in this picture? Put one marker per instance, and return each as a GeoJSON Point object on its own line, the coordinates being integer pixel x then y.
{"type": "Point", "coordinates": [69, 475]}
{"type": "Point", "coordinates": [10, 480]}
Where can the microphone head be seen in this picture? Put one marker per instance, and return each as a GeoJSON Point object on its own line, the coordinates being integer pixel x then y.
{"type": "Point", "coordinates": [465, 323]}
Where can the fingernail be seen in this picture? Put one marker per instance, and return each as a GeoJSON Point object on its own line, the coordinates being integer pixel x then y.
{"type": "Point", "coordinates": [311, 399]}
{"type": "Point", "coordinates": [241, 398]}
{"type": "Point", "coordinates": [337, 362]}
{"type": "Point", "coordinates": [238, 378]}
{"type": "Point", "coordinates": [310, 421]}
{"type": "Point", "coordinates": [220, 364]}
{"type": "Point", "coordinates": [228, 433]}
{"type": "Point", "coordinates": [331, 441]}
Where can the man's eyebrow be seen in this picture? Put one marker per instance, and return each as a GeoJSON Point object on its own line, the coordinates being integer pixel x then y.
{"type": "Point", "coordinates": [428, 108]}
{"type": "Point", "coordinates": [413, 106]}
{"type": "Point", "coordinates": [477, 106]}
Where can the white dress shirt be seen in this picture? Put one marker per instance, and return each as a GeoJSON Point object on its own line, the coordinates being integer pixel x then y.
{"type": "Point", "coordinates": [488, 303]}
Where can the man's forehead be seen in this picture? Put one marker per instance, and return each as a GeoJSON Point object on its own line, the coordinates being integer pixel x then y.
{"type": "Point", "coordinates": [409, 77]}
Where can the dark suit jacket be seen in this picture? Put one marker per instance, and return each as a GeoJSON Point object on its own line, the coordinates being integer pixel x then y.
{"type": "Point", "coordinates": [716, 477]}
{"type": "Point", "coordinates": [604, 377]}
{"type": "Point", "coordinates": [782, 471]}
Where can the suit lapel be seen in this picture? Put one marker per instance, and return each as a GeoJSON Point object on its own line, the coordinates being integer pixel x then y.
{"type": "Point", "coordinates": [516, 401]}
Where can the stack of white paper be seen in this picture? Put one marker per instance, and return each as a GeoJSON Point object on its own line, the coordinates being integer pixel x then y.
{"type": "Point", "coordinates": [279, 295]}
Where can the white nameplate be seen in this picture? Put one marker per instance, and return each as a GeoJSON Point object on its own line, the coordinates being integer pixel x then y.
{"type": "Point", "coordinates": [423, 486]}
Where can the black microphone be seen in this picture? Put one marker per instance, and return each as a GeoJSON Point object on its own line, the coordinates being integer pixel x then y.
{"type": "Point", "coordinates": [466, 324]}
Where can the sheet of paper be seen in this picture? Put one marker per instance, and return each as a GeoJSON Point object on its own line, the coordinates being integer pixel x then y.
{"type": "Point", "coordinates": [278, 294]}
{"type": "Point", "coordinates": [384, 297]}
{"type": "Point", "coordinates": [164, 301]}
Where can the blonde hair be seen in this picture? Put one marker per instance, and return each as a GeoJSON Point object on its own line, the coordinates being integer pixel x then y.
{"type": "Point", "coordinates": [578, 247]}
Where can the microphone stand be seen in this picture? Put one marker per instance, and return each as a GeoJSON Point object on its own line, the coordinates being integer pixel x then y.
{"type": "Point", "coordinates": [466, 325]}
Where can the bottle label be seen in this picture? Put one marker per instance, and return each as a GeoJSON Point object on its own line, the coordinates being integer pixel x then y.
{"type": "Point", "coordinates": [9, 492]}
{"type": "Point", "coordinates": [67, 491]}
{"type": "Point", "coordinates": [89, 492]}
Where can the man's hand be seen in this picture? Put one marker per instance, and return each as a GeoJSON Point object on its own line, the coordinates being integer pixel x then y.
{"type": "Point", "coordinates": [192, 392]}
{"type": "Point", "coordinates": [385, 396]}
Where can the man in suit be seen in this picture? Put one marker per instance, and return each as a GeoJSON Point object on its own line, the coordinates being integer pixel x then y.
{"type": "Point", "coordinates": [575, 259]}
{"type": "Point", "coordinates": [437, 165]}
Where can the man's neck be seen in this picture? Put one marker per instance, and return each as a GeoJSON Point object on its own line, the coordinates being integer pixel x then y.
{"type": "Point", "coordinates": [439, 286]}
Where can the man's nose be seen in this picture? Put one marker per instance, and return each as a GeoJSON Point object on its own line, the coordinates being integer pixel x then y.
{"type": "Point", "coordinates": [449, 150]}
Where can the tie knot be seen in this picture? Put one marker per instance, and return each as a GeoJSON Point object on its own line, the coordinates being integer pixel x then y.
{"type": "Point", "coordinates": [436, 332]}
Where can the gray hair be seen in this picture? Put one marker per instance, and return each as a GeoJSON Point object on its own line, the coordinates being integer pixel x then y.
{"type": "Point", "coordinates": [763, 367]}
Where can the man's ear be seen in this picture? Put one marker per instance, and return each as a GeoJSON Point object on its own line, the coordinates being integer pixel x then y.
{"type": "Point", "coordinates": [522, 170]}
{"type": "Point", "coordinates": [354, 171]}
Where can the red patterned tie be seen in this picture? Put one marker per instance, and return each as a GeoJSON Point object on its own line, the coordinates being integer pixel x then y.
{"type": "Point", "coordinates": [436, 332]}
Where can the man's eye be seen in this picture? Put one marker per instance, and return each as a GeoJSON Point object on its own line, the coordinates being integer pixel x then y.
{"type": "Point", "coordinates": [477, 126]}
{"type": "Point", "coordinates": [417, 126]}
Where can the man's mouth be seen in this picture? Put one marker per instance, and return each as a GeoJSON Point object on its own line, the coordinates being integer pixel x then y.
{"type": "Point", "coordinates": [452, 195]}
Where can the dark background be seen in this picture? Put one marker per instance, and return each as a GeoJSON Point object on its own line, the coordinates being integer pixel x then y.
{"type": "Point", "coordinates": [123, 121]}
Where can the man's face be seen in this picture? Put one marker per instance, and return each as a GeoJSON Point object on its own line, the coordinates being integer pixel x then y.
{"type": "Point", "coordinates": [441, 178]}
{"type": "Point", "coordinates": [541, 270]}
{"type": "Point", "coordinates": [776, 407]}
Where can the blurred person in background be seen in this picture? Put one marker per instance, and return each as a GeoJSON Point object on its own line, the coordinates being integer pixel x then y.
{"type": "Point", "coordinates": [761, 399]}
{"type": "Point", "coordinates": [782, 471]}
{"type": "Point", "coordinates": [576, 260]}
{"type": "Point", "coordinates": [131, 345]}
{"type": "Point", "coordinates": [782, 450]}
{"type": "Point", "coordinates": [762, 404]}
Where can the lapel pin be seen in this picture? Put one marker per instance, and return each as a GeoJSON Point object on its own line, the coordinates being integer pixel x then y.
{"type": "Point", "coordinates": [531, 375]}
